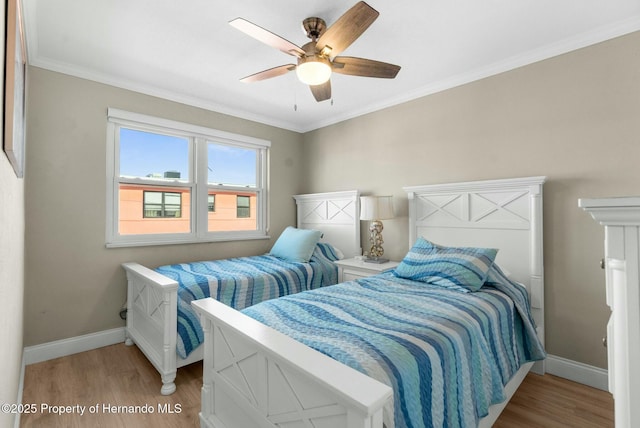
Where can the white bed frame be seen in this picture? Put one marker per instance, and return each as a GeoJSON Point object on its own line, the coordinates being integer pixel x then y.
{"type": "Point", "coordinates": [152, 298]}
{"type": "Point", "coordinates": [255, 376]}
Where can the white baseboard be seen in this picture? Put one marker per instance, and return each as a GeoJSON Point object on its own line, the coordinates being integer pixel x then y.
{"type": "Point", "coordinates": [73, 345]}
{"type": "Point", "coordinates": [577, 372]}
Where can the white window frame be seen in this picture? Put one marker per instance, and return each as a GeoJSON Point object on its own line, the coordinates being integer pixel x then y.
{"type": "Point", "coordinates": [198, 137]}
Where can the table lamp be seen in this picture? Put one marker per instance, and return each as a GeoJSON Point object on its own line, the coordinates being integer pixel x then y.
{"type": "Point", "coordinates": [375, 209]}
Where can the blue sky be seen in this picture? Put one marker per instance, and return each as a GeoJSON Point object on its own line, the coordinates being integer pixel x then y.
{"type": "Point", "coordinates": [143, 153]}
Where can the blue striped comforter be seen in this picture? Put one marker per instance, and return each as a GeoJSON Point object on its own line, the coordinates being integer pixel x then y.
{"type": "Point", "coordinates": [242, 282]}
{"type": "Point", "coordinates": [445, 353]}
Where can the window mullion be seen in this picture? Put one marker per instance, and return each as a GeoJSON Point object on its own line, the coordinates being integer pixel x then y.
{"type": "Point", "coordinates": [262, 212]}
{"type": "Point", "coordinates": [201, 188]}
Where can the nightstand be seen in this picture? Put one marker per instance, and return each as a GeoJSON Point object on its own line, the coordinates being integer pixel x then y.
{"type": "Point", "coordinates": [350, 269]}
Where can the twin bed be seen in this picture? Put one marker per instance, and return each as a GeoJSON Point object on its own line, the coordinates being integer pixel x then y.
{"type": "Point", "coordinates": [394, 349]}
{"type": "Point", "coordinates": [158, 300]}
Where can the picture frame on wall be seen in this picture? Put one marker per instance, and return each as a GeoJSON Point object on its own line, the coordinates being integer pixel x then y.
{"type": "Point", "coordinates": [14, 88]}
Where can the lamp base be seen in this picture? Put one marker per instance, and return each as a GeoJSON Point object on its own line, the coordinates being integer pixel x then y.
{"type": "Point", "coordinates": [378, 260]}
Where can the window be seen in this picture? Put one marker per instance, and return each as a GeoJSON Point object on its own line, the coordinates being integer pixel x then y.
{"type": "Point", "coordinates": [243, 205]}
{"type": "Point", "coordinates": [171, 182]}
{"type": "Point", "coordinates": [161, 204]}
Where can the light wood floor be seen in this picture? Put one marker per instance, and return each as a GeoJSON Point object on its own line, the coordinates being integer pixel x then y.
{"type": "Point", "coordinates": [119, 375]}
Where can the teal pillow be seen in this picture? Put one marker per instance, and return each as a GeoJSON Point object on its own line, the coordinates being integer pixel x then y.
{"type": "Point", "coordinates": [327, 251]}
{"type": "Point", "coordinates": [296, 245]}
{"type": "Point", "coordinates": [462, 268]}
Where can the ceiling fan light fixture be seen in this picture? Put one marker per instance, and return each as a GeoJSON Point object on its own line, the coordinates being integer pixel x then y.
{"type": "Point", "coordinates": [313, 70]}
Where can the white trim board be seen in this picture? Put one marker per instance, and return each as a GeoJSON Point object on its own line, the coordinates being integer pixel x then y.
{"type": "Point", "coordinates": [585, 374]}
{"type": "Point", "coordinates": [16, 420]}
{"type": "Point", "coordinates": [73, 345]}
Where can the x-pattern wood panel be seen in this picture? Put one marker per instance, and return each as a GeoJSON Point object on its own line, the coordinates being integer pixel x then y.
{"type": "Point", "coordinates": [498, 206]}
{"type": "Point", "coordinates": [232, 363]}
{"type": "Point", "coordinates": [476, 208]}
{"type": "Point", "coordinates": [240, 367]}
{"type": "Point", "coordinates": [298, 407]}
{"type": "Point", "coordinates": [329, 211]}
{"type": "Point", "coordinates": [149, 301]}
{"type": "Point", "coordinates": [432, 205]}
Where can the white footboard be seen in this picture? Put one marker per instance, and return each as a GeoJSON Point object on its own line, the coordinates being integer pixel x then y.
{"type": "Point", "coordinates": [152, 311]}
{"type": "Point", "coordinates": [256, 376]}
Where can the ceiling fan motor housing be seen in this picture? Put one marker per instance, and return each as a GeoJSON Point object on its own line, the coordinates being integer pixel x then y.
{"type": "Point", "coordinates": [314, 27]}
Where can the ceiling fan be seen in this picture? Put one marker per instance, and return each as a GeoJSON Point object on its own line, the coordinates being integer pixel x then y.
{"type": "Point", "coordinates": [319, 58]}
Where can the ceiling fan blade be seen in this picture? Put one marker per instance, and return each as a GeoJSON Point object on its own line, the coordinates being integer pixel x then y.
{"type": "Point", "coordinates": [268, 74]}
{"type": "Point", "coordinates": [347, 29]}
{"type": "Point", "coordinates": [266, 37]}
{"type": "Point", "coordinates": [321, 92]}
{"type": "Point", "coordinates": [364, 67]}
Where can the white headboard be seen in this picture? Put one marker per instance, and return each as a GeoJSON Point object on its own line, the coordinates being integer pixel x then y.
{"type": "Point", "coordinates": [504, 214]}
{"type": "Point", "coordinates": [336, 214]}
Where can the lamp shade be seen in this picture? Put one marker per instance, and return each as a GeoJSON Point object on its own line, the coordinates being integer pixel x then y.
{"type": "Point", "coordinates": [376, 207]}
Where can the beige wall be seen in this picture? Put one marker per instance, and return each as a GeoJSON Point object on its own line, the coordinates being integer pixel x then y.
{"type": "Point", "coordinates": [74, 285]}
{"type": "Point", "coordinates": [574, 118]}
{"type": "Point", "coordinates": [11, 272]}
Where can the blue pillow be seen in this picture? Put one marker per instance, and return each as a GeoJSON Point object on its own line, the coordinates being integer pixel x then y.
{"type": "Point", "coordinates": [296, 245]}
{"type": "Point", "coordinates": [462, 268]}
{"type": "Point", "coordinates": [327, 251]}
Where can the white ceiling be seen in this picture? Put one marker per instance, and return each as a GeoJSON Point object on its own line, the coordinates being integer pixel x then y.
{"type": "Point", "coordinates": [185, 50]}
